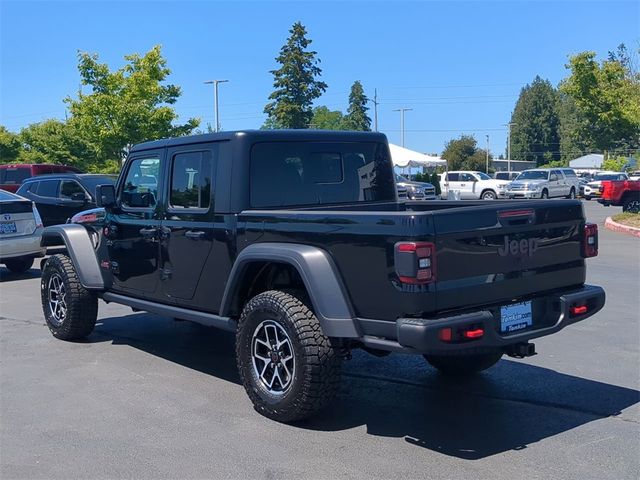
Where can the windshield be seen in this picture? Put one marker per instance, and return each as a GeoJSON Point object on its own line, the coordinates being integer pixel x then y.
{"type": "Point", "coordinates": [483, 176]}
{"type": "Point", "coordinates": [533, 175]}
{"type": "Point", "coordinates": [606, 176]}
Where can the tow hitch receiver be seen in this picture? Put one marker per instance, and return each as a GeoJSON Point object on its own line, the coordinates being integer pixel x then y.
{"type": "Point", "coordinates": [521, 350]}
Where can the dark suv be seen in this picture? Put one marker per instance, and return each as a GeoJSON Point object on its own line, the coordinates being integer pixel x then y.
{"type": "Point", "coordinates": [13, 174]}
{"type": "Point", "coordinates": [59, 197]}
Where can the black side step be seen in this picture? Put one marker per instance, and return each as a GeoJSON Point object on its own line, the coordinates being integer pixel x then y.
{"type": "Point", "coordinates": [203, 318]}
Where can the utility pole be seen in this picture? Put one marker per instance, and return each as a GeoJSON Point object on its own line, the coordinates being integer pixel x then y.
{"type": "Point", "coordinates": [487, 167]}
{"type": "Point", "coordinates": [375, 109]}
{"type": "Point", "coordinates": [215, 100]}
{"type": "Point", "coordinates": [510, 124]}
{"type": "Point", "coordinates": [402, 110]}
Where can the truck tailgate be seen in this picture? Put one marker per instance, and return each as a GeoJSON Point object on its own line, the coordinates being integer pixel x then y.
{"type": "Point", "coordinates": [504, 251]}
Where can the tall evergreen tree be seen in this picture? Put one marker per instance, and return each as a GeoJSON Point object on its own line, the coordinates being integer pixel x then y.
{"type": "Point", "coordinates": [357, 118]}
{"type": "Point", "coordinates": [536, 122]}
{"type": "Point", "coordinates": [295, 82]}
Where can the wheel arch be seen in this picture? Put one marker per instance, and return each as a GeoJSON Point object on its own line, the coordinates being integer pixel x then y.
{"type": "Point", "coordinates": [79, 245]}
{"type": "Point", "coordinates": [309, 267]}
{"type": "Point", "coordinates": [488, 189]}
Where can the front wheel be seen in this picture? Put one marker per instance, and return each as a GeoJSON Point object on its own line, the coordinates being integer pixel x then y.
{"type": "Point", "coordinates": [572, 194]}
{"type": "Point", "coordinates": [19, 264]}
{"type": "Point", "coordinates": [288, 367]}
{"type": "Point", "coordinates": [488, 195]}
{"type": "Point", "coordinates": [69, 309]}
{"type": "Point", "coordinates": [544, 194]}
{"type": "Point", "coordinates": [462, 365]}
{"type": "Point", "coordinates": [587, 197]}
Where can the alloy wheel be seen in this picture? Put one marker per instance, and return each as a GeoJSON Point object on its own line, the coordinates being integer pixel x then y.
{"type": "Point", "coordinates": [272, 357]}
{"type": "Point", "coordinates": [57, 299]}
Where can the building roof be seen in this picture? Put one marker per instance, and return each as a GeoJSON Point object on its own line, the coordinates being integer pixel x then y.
{"type": "Point", "coordinates": [593, 160]}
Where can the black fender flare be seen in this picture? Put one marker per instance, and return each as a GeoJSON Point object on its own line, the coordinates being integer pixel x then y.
{"type": "Point", "coordinates": [80, 249]}
{"type": "Point", "coordinates": [319, 274]}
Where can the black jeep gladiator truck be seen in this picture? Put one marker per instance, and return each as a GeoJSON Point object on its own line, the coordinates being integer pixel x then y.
{"type": "Point", "coordinates": [296, 241]}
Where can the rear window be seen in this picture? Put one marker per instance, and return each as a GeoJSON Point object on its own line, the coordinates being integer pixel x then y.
{"type": "Point", "coordinates": [317, 173]}
{"type": "Point", "coordinates": [14, 176]}
{"type": "Point", "coordinates": [569, 173]}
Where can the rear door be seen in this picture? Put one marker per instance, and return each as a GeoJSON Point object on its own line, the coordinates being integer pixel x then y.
{"type": "Point", "coordinates": [187, 229]}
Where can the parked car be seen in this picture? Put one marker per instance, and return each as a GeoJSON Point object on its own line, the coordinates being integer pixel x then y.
{"type": "Point", "coordinates": [270, 233]}
{"type": "Point", "coordinates": [13, 174]}
{"type": "Point", "coordinates": [582, 183]}
{"type": "Point", "coordinates": [59, 197]}
{"type": "Point", "coordinates": [20, 232]}
{"type": "Point", "coordinates": [472, 185]}
{"type": "Point", "coordinates": [505, 175]}
{"type": "Point", "coordinates": [415, 190]}
{"type": "Point", "coordinates": [634, 175]}
{"type": "Point", "coordinates": [545, 183]}
{"type": "Point", "coordinates": [625, 193]}
{"type": "Point", "coordinates": [592, 189]}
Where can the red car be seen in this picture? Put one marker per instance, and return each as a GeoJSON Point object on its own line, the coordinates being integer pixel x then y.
{"type": "Point", "coordinates": [13, 174]}
{"type": "Point", "coordinates": [621, 192]}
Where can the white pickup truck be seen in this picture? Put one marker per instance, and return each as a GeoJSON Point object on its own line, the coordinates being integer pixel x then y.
{"type": "Point", "coordinates": [472, 185]}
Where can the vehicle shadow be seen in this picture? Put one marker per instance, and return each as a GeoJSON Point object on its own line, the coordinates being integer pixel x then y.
{"type": "Point", "coordinates": [509, 407]}
{"type": "Point", "coordinates": [8, 276]}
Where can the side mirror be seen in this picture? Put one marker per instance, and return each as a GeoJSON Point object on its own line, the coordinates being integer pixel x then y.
{"type": "Point", "coordinates": [105, 196]}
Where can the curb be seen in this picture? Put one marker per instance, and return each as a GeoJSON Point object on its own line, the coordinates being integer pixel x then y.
{"type": "Point", "coordinates": [618, 227]}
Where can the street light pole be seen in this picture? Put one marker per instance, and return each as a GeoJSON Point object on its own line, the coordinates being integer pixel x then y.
{"type": "Point", "coordinates": [402, 110]}
{"type": "Point", "coordinates": [215, 100]}
{"type": "Point", "coordinates": [487, 167]}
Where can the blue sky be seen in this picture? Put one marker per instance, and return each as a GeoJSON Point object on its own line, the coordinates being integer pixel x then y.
{"type": "Point", "coordinates": [458, 65]}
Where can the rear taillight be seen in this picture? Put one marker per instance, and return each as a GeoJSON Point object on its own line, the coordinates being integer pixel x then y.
{"type": "Point", "coordinates": [590, 240]}
{"type": "Point", "coordinates": [415, 262]}
{"type": "Point", "coordinates": [36, 216]}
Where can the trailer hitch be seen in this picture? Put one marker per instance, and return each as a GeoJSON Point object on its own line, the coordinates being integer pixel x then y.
{"type": "Point", "coordinates": [521, 350]}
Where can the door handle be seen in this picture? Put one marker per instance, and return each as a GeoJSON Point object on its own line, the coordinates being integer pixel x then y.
{"type": "Point", "coordinates": [194, 234]}
{"type": "Point", "coordinates": [148, 233]}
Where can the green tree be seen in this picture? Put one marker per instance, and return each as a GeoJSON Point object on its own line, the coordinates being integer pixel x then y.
{"type": "Point", "coordinates": [615, 164]}
{"type": "Point", "coordinates": [356, 117]}
{"type": "Point", "coordinates": [536, 123]}
{"type": "Point", "coordinates": [9, 145]}
{"type": "Point", "coordinates": [435, 181]}
{"type": "Point", "coordinates": [607, 99]}
{"type": "Point", "coordinates": [572, 143]}
{"type": "Point", "coordinates": [325, 119]}
{"type": "Point", "coordinates": [295, 82]}
{"type": "Point", "coordinates": [126, 106]}
{"type": "Point", "coordinates": [463, 154]}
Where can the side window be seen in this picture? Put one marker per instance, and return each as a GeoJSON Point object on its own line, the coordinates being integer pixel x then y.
{"type": "Point", "coordinates": [191, 180]}
{"type": "Point", "coordinates": [140, 187]}
{"type": "Point", "coordinates": [69, 188]}
{"type": "Point", "coordinates": [48, 188]}
{"type": "Point", "coordinates": [33, 187]}
{"type": "Point", "coordinates": [553, 176]}
{"type": "Point", "coordinates": [453, 177]}
{"type": "Point", "coordinates": [467, 177]}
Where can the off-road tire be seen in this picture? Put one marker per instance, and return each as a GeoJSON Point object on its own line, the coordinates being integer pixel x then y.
{"type": "Point", "coordinates": [19, 264]}
{"type": "Point", "coordinates": [462, 365]}
{"type": "Point", "coordinates": [545, 194]}
{"type": "Point", "coordinates": [81, 304]}
{"type": "Point", "coordinates": [317, 364]}
{"type": "Point", "coordinates": [488, 195]}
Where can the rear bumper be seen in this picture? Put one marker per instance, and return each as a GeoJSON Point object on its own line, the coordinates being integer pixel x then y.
{"type": "Point", "coordinates": [414, 335]}
{"type": "Point", "coordinates": [22, 246]}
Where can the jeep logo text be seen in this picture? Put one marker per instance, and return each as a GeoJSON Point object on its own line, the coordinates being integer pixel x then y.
{"type": "Point", "coordinates": [518, 247]}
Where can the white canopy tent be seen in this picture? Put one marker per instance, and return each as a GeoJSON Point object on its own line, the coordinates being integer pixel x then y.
{"type": "Point", "coordinates": [403, 157]}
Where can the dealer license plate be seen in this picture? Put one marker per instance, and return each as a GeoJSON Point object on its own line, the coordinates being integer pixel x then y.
{"type": "Point", "coordinates": [515, 317]}
{"type": "Point", "coordinates": [8, 227]}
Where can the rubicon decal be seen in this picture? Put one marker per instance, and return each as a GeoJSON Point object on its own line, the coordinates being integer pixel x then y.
{"type": "Point", "coordinates": [526, 246]}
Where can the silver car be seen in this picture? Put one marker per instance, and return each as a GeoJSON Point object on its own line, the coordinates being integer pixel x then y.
{"type": "Point", "coordinates": [20, 232]}
{"type": "Point", "coordinates": [544, 183]}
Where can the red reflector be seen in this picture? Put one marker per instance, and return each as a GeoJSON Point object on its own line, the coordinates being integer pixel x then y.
{"type": "Point", "coordinates": [515, 213]}
{"type": "Point", "coordinates": [477, 333]}
{"type": "Point", "coordinates": [445, 334]}
{"type": "Point", "coordinates": [424, 274]}
{"type": "Point", "coordinates": [579, 310]}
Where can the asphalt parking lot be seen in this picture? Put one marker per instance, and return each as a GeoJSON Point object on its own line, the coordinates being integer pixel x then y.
{"type": "Point", "coordinates": [148, 397]}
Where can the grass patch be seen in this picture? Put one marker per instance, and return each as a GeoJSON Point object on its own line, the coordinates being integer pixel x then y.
{"type": "Point", "coordinates": [628, 218]}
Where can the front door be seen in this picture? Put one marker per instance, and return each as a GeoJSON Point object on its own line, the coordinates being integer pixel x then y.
{"type": "Point", "coordinates": [187, 227]}
{"type": "Point", "coordinates": [467, 186]}
{"type": "Point", "coordinates": [134, 226]}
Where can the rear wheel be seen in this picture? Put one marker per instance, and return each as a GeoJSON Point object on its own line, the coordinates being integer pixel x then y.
{"type": "Point", "coordinates": [631, 204]}
{"type": "Point", "coordinates": [69, 309]}
{"type": "Point", "coordinates": [572, 193]}
{"type": "Point", "coordinates": [19, 264]}
{"type": "Point", "coordinates": [544, 194]}
{"type": "Point", "coordinates": [488, 195]}
{"type": "Point", "coordinates": [461, 365]}
{"type": "Point", "coordinates": [288, 367]}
